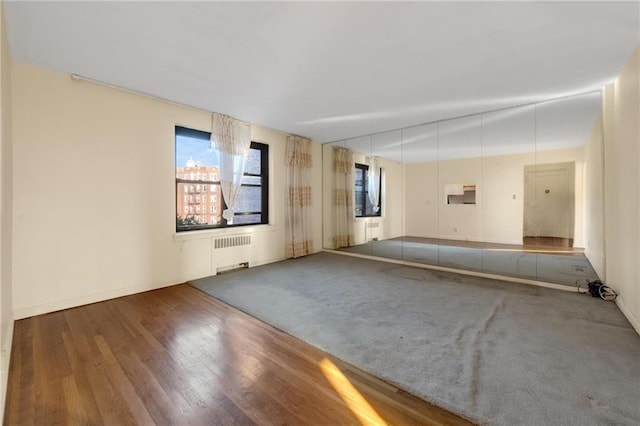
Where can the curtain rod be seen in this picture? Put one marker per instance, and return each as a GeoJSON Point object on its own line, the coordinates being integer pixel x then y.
{"type": "Point", "coordinates": [79, 77]}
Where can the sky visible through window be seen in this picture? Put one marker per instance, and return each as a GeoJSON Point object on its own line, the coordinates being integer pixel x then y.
{"type": "Point", "coordinates": [197, 149]}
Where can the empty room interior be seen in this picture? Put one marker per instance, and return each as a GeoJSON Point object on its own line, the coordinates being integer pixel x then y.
{"type": "Point", "coordinates": [320, 213]}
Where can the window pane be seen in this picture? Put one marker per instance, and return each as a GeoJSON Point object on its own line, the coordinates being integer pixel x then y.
{"type": "Point", "coordinates": [249, 200]}
{"type": "Point", "coordinates": [369, 207]}
{"type": "Point", "coordinates": [195, 159]}
{"type": "Point", "coordinates": [248, 218]}
{"type": "Point", "coordinates": [360, 190]}
{"type": "Point", "coordinates": [363, 206]}
{"type": "Point", "coordinates": [251, 180]}
{"type": "Point", "coordinates": [253, 162]}
{"type": "Point", "coordinates": [195, 209]}
{"type": "Point", "coordinates": [359, 179]}
{"type": "Point", "coordinates": [359, 199]}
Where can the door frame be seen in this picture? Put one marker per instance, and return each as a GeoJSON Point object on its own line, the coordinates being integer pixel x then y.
{"type": "Point", "coordinates": [529, 235]}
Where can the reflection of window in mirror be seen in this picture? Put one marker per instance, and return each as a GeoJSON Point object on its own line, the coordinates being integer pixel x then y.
{"type": "Point", "coordinates": [365, 194]}
{"type": "Point", "coordinates": [460, 193]}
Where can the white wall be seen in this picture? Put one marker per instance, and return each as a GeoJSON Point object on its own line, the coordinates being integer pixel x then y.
{"type": "Point", "coordinates": [594, 200]}
{"type": "Point", "coordinates": [94, 197]}
{"type": "Point", "coordinates": [6, 211]}
{"type": "Point", "coordinates": [497, 217]}
{"type": "Point", "coordinates": [621, 123]}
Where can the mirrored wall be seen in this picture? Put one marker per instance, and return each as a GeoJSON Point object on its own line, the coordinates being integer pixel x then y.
{"type": "Point", "coordinates": [513, 192]}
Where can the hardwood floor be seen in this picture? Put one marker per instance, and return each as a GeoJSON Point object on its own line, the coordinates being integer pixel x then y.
{"type": "Point", "coordinates": [177, 356]}
{"type": "Point", "coordinates": [548, 242]}
{"type": "Point", "coordinates": [557, 246]}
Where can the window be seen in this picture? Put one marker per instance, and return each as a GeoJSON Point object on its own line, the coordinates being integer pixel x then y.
{"type": "Point", "coordinates": [364, 208]}
{"type": "Point", "coordinates": [196, 168]}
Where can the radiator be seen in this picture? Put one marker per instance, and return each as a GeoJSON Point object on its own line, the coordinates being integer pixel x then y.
{"type": "Point", "coordinates": [230, 252]}
{"type": "Point", "coordinates": [232, 241]}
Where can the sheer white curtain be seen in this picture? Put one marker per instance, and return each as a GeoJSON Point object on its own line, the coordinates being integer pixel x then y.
{"type": "Point", "coordinates": [232, 139]}
{"type": "Point", "coordinates": [298, 231]}
{"type": "Point", "coordinates": [373, 182]}
{"type": "Point", "coordinates": [344, 169]}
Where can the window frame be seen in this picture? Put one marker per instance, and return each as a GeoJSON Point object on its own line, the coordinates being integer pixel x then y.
{"type": "Point", "coordinates": [264, 184]}
{"type": "Point", "coordinates": [365, 186]}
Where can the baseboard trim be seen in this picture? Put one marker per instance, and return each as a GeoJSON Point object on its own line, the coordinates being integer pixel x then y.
{"type": "Point", "coordinates": [58, 305]}
{"type": "Point", "coordinates": [635, 322]}
{"type": "Point", "coordinates": [5, 362]}
{"type": "Point", "coordinates": [595, 265]}
{"type": "Point", "coordinates": [459, 271]}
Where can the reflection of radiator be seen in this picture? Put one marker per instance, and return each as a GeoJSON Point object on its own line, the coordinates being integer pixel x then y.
{"type": "Point", "coordinates": [372, 231]}
{"type": "Point", "coordinates": [229, 252]}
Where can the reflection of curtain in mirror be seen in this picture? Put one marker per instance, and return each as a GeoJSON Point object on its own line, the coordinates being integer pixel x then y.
{"type": "Point", "coordinates": [232, 139]}
{"type": "Point", "coordinates": [344, 169]}
{"type": "Point", "coordinates": [373, 182]}
{"type": "Point", "coordinates": [298, 232]}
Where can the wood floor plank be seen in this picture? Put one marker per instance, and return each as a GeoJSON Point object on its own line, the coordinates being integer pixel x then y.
{"type": "Point", "coordinates": [138, 408]}
{"type": "Point", "coordinates": [75, 404]}
{"type": "Point", "coordinates": [113, 409]}
{"type": "Point", "coordinates": [49, 401]}
{"type": "Point", "coordinates": [82, 404]}
{"type": "Point", "coordinates": [179, 356]}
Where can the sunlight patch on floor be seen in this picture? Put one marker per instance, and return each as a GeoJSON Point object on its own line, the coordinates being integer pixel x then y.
{"type": "Point", "coordinates": [350, 395]}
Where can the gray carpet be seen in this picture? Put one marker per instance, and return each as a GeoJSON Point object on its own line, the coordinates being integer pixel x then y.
{"type": "Point", "coordinates": [554, 268]}
{"type": "Point", "coordinates": [494, 352]}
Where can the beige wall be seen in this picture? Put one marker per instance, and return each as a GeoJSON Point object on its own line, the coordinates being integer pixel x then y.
{"type": "Point", "coordinates": [94, 212]}
{"type": "Point", "coordinates": [6, 210]}
{"type": "Point", "coordinates": [622, 187]}
{"type": "Point", "coordinates": [498, 216]}
{"type": "Point", "coordinates": [594, 200]}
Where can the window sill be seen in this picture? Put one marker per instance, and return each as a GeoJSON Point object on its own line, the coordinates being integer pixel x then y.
{"type": "Point", "coordinates": [214, 233]}
{"type": "Point", "coordinates": [365, 218]}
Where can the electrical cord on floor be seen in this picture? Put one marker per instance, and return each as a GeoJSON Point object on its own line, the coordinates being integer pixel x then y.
{"type": "Point", "coordinates": [597, 289]}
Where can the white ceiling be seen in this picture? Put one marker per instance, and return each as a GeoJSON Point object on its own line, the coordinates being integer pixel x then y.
{"type": "Point", "coordinates": [331, 70]}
